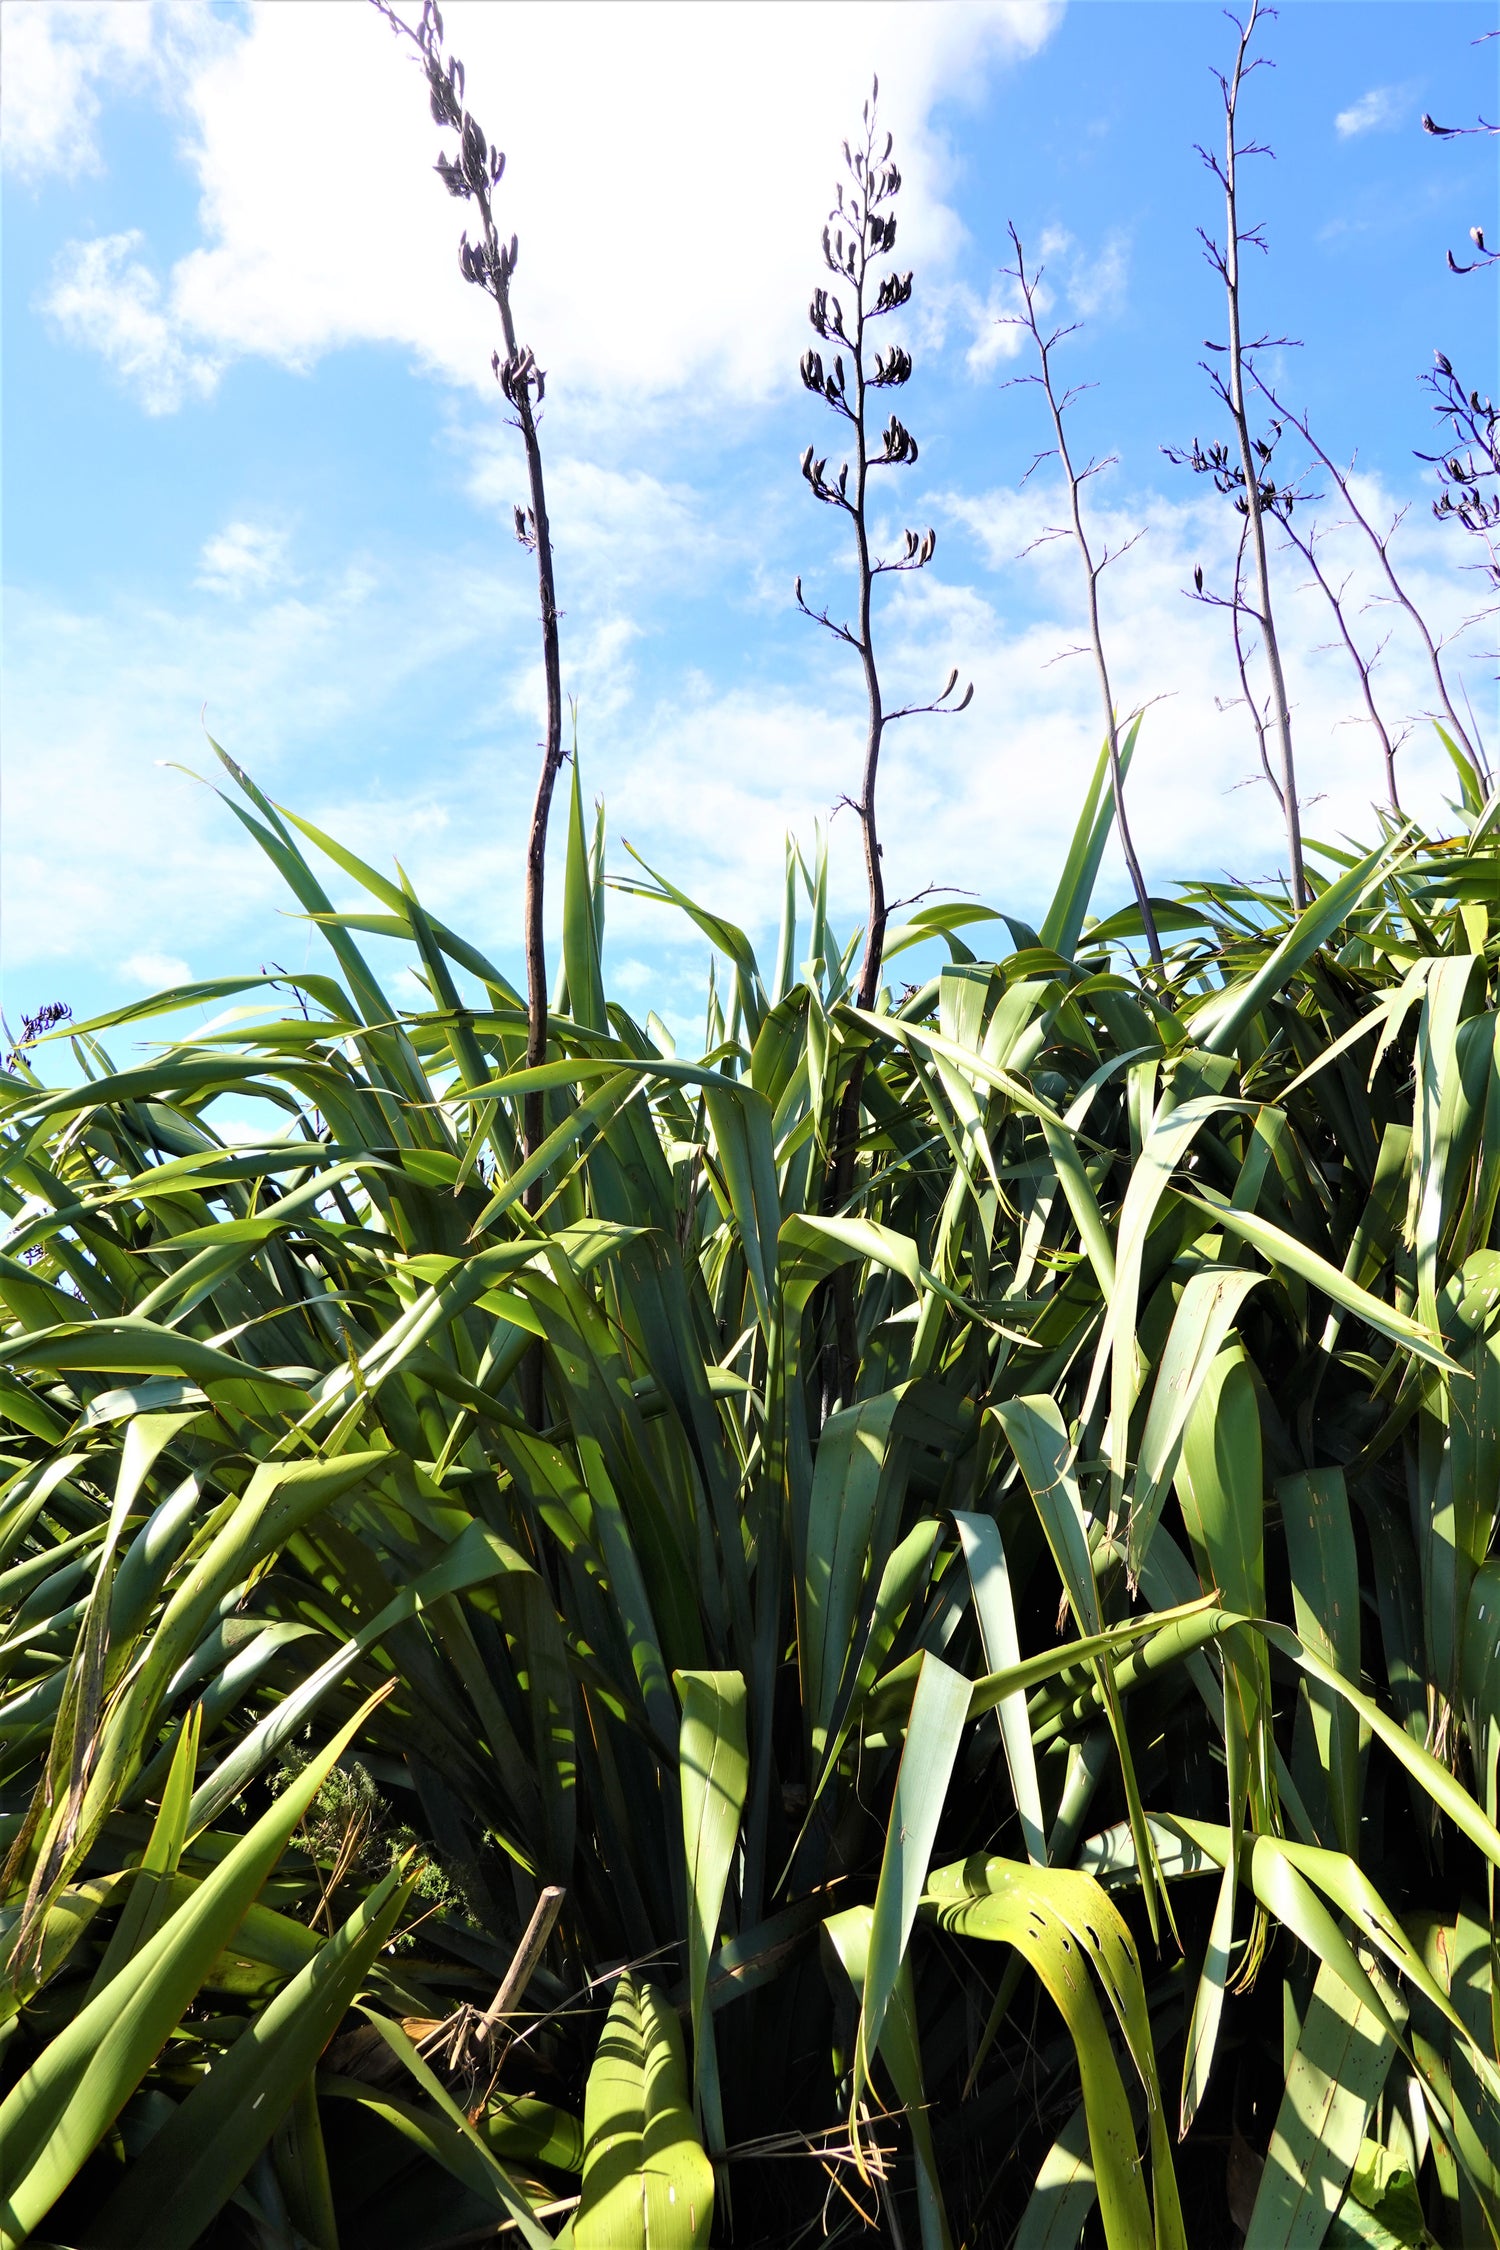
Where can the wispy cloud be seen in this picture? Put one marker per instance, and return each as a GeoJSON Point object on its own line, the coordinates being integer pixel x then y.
{"type": "Point", "coordinates": [1097, 285]}
{"type": "Point", "coordinates": [102, 296]}
{"type": "Point", "coordinates": [1374, 112]}
{"type": "Point", "coordinates": [112, 856]}
{"type": "Point", "coordinates": [243, 558]}
{"type": "Point", "coordinates": [61, 54]}
{"type": "Point", "coordinates": [156, 972]}
{"type": "Point", "coordinates": [989, 322]}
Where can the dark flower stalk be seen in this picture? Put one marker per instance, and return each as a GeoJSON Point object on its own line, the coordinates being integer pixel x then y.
{"type": "Point", "coordinates": [1244, 479]}
{"type": "Point", "coordinates": [859, 235]}
{"type": "Point", "coordinates": [490, 264]}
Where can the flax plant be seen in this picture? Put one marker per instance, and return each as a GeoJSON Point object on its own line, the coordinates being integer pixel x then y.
{"type": "Point", "coordinates": [781, 1717]}
{"type": "Point", "coordinates": [1047, 1795]}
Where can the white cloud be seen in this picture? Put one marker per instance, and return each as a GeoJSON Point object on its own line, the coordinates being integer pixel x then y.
{"type": "Point", "coordinates": [242, 558]}
{"type": "Point", "coordinates": [991, 321]}
{"type": "Point", "coordinates": [1374, 112]}
{"type": "Point", "coordinates": [668, 207]}
{"type": "Point", "coordinates": [1097, 285]}
{"type": "Point", "coordinates": [157, 972]}
{"type": "Point", "coordinates": [55, 51]}
{"type": "Point", "coordinates": [59, 54]}
{"type": "Point", "coordinates": [103, 297]}
{"type": "Point", "coordinates": [111, 856]}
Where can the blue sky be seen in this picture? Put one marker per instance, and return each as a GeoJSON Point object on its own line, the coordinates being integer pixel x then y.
{"type": "Point", "coordinates": [256, 465]}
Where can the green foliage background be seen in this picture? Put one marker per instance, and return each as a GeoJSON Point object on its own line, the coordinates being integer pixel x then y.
{"type": "Point", "coordinates": [1051, 1797]}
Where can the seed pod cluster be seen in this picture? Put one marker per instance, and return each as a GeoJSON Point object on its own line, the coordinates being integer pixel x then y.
{"type": "Point", "coordinates": [898, 448]}
{"type": "Point", "coordinates": [520, 376]}
{"type": "Point", "coordinates": [830, 383]}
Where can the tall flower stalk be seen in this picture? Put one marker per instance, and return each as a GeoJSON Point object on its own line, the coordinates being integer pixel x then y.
{"type": "Point", "coordinates": [1227, 374]}
{"type": "Point", "coordinates": [1093, 569]}
{"type": "Point", "coordinates": [490, 265]}
{"type": "Point", "coordinates": [859, 236]}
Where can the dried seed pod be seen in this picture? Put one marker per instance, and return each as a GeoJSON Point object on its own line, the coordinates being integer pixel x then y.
{"type": "Point", "coordinates": [473, 153]}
